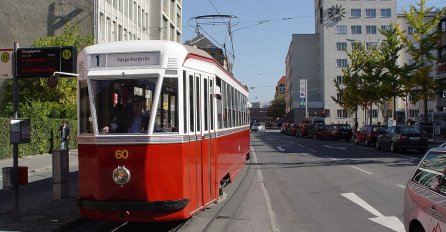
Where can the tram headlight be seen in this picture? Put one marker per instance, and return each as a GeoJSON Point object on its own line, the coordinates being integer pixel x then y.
{"type": "Point", "coordinates": [121, 175]}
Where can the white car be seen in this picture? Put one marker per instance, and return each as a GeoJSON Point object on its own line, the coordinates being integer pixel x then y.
{"type": "Point", "coordinates": [257, 126]}
{"type": "Point", "coordinates": [425, 195]}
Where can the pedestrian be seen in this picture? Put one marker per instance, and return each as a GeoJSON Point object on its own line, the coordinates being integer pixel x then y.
{"type": "Point", "coordinates": [64, 131]}
{"type": "Point", "coordinates": [140, 120]}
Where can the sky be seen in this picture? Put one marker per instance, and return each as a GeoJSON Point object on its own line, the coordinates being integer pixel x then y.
{"type": "Point", "coordinates": [262, 32]}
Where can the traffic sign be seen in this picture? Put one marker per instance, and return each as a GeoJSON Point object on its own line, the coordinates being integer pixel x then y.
{"type": "Point", "coordinates": [6, 63]}
{"type": "Point", "coordinates": [43, 62]}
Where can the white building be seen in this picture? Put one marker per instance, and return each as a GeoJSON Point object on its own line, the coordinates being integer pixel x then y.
{"type": "Point", "coordinates": [138, 20]}
{"type": "Point", "coordinates": [319, 59]}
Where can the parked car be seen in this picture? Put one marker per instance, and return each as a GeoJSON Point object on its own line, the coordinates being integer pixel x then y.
{"type": "Point", "coordinates": [425, 194]}
{"type": "Point", "coordinates": [292, 130]}
{"type": "Point", "coordinates": [402, 137]}
{"type": "Point", "coordinates": [369, 134]}
{"type": "Point", "coordinates": [316, 130]}
{"type": "Point", "coordinates": [337, 131]}
{"type": "Point", "coordinates": [284, 127]}
{"type": "Point", "coordinates": [257, 126]}
{"type": "Point", "coordinates": [303, 130]}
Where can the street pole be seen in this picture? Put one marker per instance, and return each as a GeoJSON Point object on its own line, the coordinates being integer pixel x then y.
{"type": "Point", "coordinates": [15, 146]}
{"type": "Point", "coordinates": [306, 99]}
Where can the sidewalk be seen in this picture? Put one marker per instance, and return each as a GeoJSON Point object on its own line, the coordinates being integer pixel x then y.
{"type": "Point", "coordinates": [37, 210]}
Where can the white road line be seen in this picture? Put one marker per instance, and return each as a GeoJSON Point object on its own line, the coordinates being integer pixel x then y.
{"type": "Point", "coordinates": [327, 146]}
{"type": "Point", "coordinates": [362, 170]}
{"type": "Point", "coordinates": [269, 207]}
{"type": "Point", "coordinates": [312, 150]}
{"type": "Point", "coordinates": [401, 186]}
{"type": "Point", "coordinates": [280, 149]}
{"type": "Point", "coordinates": [300, 145]}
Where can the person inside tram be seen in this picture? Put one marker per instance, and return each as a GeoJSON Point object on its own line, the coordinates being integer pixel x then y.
{"type": "Point", "coordinates": [140, 119]}
{"type": "Point", "coordinates": [122, 113]}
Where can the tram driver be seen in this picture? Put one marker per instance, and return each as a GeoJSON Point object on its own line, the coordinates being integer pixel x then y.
{"type": "Point", "coordinates": [140, 119]}
{"type": "Point", "coordinates": [122, 113]}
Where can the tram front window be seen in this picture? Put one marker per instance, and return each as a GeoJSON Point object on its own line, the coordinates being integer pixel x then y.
{"type": "Point", "coordinates": [125, 106]}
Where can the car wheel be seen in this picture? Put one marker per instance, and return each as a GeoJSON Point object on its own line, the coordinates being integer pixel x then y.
{"type": "Point", "coordinates": [367, 143]}
{"type": "Point", "coordinates": [393, 149]}
{"type": "Point", "coordinates": [378, 146]}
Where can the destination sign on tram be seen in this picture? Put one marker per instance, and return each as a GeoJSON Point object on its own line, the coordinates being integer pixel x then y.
{"type": "Point", "coordinates": [125, 59]}
{"type": "Point", "coordinates": [43, 62]}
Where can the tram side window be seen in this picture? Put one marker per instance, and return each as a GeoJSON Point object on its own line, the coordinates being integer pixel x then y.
{"type": "Point", "coordinates": [192, 103]}
{"type": "Point", "coordinates": [167, 114]}
{"type": "Point", "coordinates": [85, 118]}
{"type": "Point", "coordinates": [225, 105]}
{"type": "Point", "coordinates": [219, 106]}
{"type": "Point", "coordinates": [205, 103]}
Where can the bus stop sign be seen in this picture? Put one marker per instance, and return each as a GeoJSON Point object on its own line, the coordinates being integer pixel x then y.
{"type": "Point", "coordinates": [43, 62]}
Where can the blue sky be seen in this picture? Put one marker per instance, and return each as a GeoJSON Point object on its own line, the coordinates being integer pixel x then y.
{"type": "Point", "coordinates": [264, 35]}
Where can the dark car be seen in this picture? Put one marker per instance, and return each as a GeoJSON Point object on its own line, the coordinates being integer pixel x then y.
{"type": "Point", "coordinates": [337, 131]}
{"type": "Point", "coordinates": [402, 137]}
{"type": "Point", "coordinates": [369, 134]}
{"type": "Point", "coordinates": [292, 130]}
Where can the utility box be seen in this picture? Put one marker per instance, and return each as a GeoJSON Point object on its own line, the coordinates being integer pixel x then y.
{"type": "Point", "coordinates": [23, 175]}
{"type": "Point", "coordinates": [8, 177]}
{"type": "Point", "coordinates": [60, 174]}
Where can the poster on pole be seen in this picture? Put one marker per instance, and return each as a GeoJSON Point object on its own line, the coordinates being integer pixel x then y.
{"type": "Point", "coordinates": [6, 63]}
{"type": "Point", "coordinates": [302, 92]}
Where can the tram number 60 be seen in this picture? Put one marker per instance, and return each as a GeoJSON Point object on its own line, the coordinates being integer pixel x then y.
{"type": "Point", "coordinates": [121, 154]}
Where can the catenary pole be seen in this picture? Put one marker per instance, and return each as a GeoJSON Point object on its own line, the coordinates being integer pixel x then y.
{"type": "Point", "coordinates": [15, 146]}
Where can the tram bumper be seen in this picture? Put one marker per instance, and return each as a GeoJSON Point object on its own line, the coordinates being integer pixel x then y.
{"type": "Point", "coordinates": [153, 206]}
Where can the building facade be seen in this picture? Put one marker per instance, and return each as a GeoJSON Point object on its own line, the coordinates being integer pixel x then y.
{"type": "Point", "coordinates": [320, 58]}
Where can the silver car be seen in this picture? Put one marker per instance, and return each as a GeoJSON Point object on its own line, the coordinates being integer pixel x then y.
{"type": "Point", "coordinates": [257, 126]}
{"type": "Point", "coordinates": [425, 195]}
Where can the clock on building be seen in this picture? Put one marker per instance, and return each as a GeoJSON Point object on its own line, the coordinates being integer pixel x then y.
{"type": "Point", "coordinates": [336, 12]}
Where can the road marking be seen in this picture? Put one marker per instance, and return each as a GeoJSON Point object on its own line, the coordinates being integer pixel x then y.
{"type": "Point", "coordinates": [340, 148]}
{"type": "Point", "coordinates": [280, 149]}
{"type": "Point", "coordinates": [269, 207]}
{"type": "Point", "coordinates": [401, 186]}
{"type": "Point", "coordinates": [300, 145]}
{"type": "Point", "coordinates": [390, 222]}
{"type": "Point", "coordinates": [362, 170]}
{"type": "Point", "coordinates": [312, 150]}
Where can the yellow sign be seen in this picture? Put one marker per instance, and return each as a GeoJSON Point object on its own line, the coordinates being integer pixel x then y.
{"type": "Point", "coordinates": [121, 154]}
{"type": "Point", "coordinates": [6, 63]}
{"type": "Point", "coordinates": [5, 57]}
{"type": "Point", "coordinates": [66, 54]}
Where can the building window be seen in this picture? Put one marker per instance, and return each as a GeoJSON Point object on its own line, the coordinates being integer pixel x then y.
{"type": "Point", "coordinates": [370, 13]}
{"type": "Point", "coordinates": [371, 45]}
{"type": "Point", "coordinates": [386, 27]}
{"type": "Point", "coordinates": [414, 113]}
{"type": "Point", "coordinates": [357, 45]}
{"type": "Point", "coordinates": [341, 46]}
{"type": "Point", "coordinates": [339, 80]}
{"type": "Point", "coordinates": [374, 113]}
{"type": "Point", "coordinates": [355, 13]}
{"type": "Point", "coordinates": [341, 29]}
{"type": "Point", "coordinates": [410, 30]}
{"type": "Point", "coordinates": [370, 29]}
{"type": "Point", "coordinates": [341, 114]}
{"type": "Point", "coordinates": [356, 29]}
{"type": "Point", "coordinates": [385, 13]}
{"type": "Point", "coordinates": [339, 97]}
{"type": "Point", "coordinates": [341, 63]}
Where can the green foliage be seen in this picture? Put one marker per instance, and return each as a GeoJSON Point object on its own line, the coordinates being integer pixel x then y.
{"type": "Point", "coordinates": [60, 101]}
{"type": "Point", "coordinates": [44, 137]}
{"type": "Point", "coordinates": [420, 45]}
{"type": "Point", "coordinates": [277, 107]}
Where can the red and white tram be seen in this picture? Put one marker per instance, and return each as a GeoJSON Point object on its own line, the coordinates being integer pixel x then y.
{"type": "Point", "coordinates": [195, 133]}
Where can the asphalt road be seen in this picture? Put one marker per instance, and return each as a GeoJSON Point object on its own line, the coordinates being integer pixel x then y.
{"type": "Point", "coordinates": [318, 185]}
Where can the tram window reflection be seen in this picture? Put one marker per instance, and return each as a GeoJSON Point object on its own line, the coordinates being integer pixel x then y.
{"type": "Point", "coordinates": [167, 114]}
{"type": "Point", "coordinates": [113, 102]}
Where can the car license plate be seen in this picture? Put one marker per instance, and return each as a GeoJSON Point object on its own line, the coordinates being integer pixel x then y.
{"type": "Point", "coordinates": [414, 138]}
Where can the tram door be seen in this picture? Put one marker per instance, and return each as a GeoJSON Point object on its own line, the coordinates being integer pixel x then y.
{"type": "Point", "coordinates": [207, 142]}
{"type": "Point", "coordinates": [195, 141]}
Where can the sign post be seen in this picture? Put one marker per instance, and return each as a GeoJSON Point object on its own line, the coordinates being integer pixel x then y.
{"type": "Point", "coordinates": [6, 63]}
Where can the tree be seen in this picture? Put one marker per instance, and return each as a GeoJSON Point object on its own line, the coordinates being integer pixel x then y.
{"type": "Point", "coordinates": [59, 102]}
{"type": "Point", "coordinates": [277, 107]}
{"type": "Point", "coordinates": [423, 41]}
